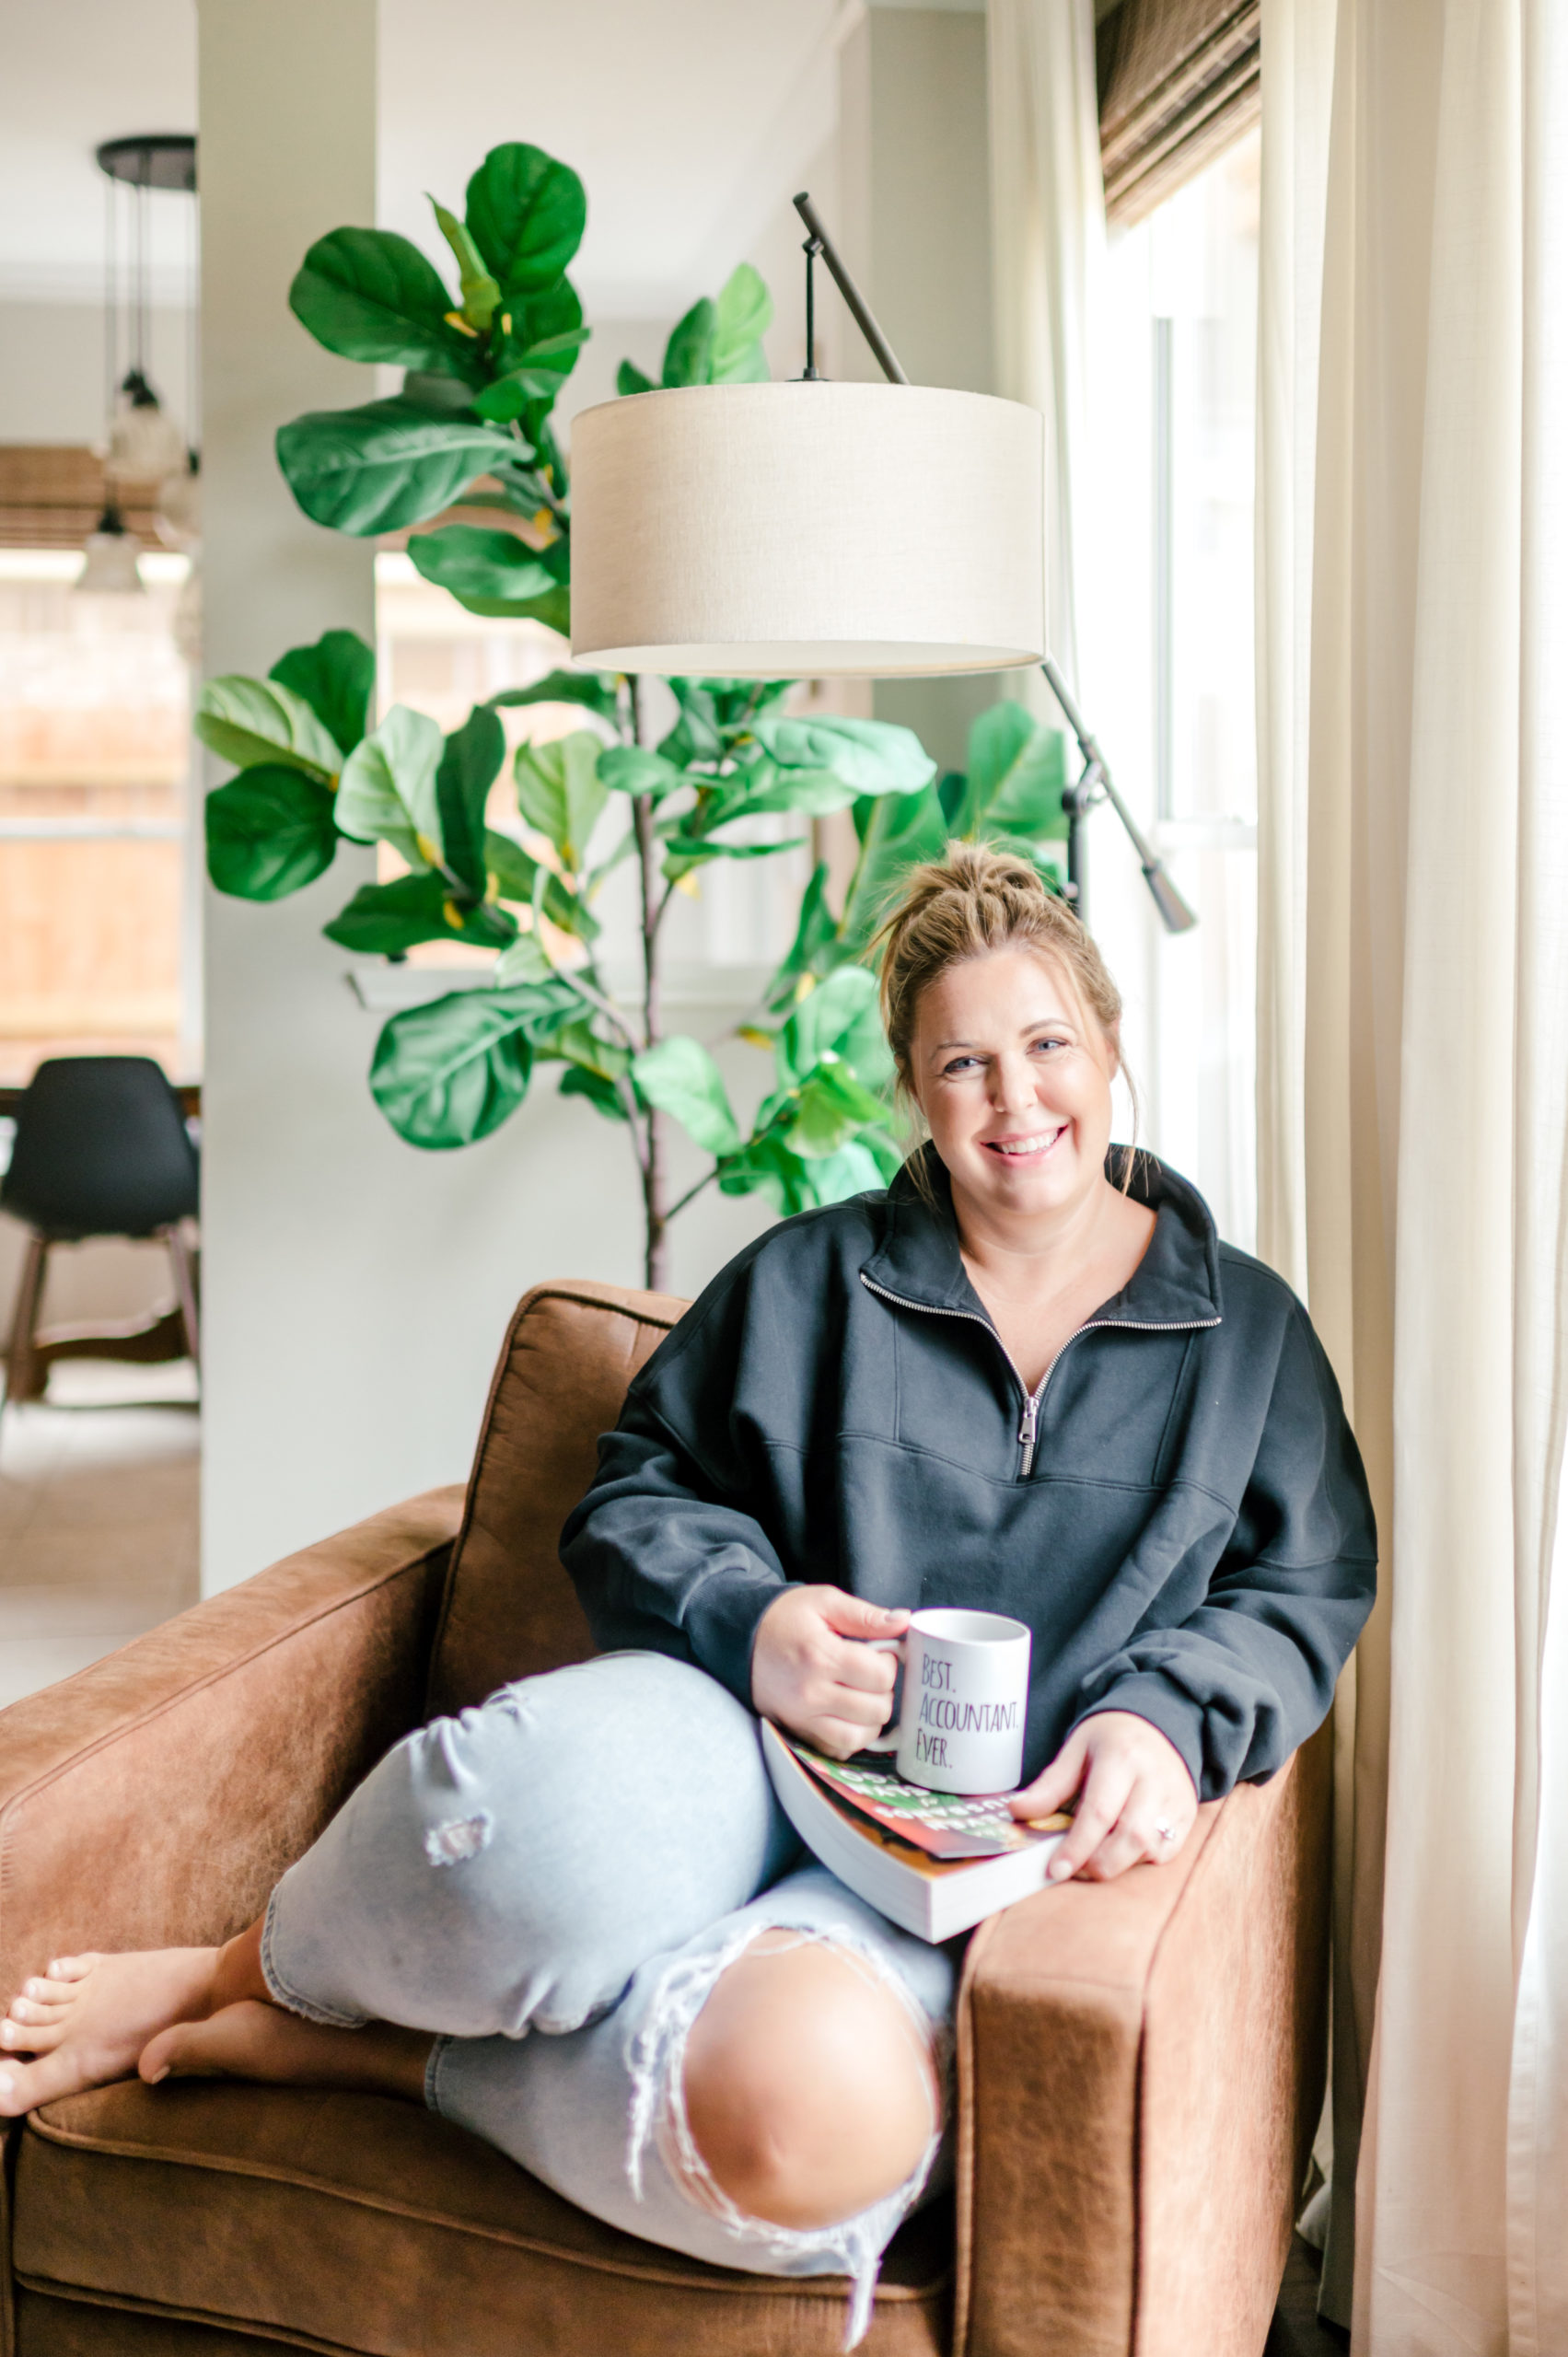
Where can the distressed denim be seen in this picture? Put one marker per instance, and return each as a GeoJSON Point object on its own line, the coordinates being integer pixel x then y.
{"type": "Point", "coordinates": [582, 1856]}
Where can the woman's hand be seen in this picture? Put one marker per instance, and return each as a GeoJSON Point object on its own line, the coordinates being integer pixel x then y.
{"type": "Point", "coordinates": [1135, 1797]}
{"type": "Point", "coordinates": [810, 1672]}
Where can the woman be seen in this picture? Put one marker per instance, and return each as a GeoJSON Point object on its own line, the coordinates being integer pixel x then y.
{"type": "Point", "coordinates": [1028, 1377]}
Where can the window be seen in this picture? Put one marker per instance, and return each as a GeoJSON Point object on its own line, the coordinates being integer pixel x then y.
{"type": "Point", "coordinates": [1179, 502]}
{"type": "Point", "coordinates": [95, 765]}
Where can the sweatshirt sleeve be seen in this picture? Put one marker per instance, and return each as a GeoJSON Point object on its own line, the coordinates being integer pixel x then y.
{"type": "Point", "coordinates": [663, 1553]}
{"type": "Point", "coordinates": [1250, 1674]}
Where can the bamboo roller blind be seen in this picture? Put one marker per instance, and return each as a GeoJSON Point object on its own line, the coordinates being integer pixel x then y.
{"type": "Point", "coordinates": [1178, 80]}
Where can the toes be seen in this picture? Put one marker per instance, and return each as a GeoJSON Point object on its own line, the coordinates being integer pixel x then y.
{"type": "Point", "coordinates": [24, 2085]}
{"type": "Point", "coordinates": [31, 2008]}
{"type": "Point", "coordinates": [17, 2039]}
{"type": "Point", "coordinates": [71, 1968]}
{"type": "Point", "coordinates": [47, 1992]}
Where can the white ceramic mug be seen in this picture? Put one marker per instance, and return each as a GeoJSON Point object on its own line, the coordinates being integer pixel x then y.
{"type": "Point", "coordinates": [960, 1727]}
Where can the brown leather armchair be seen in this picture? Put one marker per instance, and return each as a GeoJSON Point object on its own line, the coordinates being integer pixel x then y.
{"type": "Point", "coordinates": [1139, 2063]}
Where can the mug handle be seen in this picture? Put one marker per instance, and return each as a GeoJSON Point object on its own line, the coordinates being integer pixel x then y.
{"type": "Point", "coordinates": [888, 1740]}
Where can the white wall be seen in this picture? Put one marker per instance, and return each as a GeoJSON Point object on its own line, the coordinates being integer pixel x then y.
{"type": "Point", "coordinates": [52, 369]}
{"type": "Point", "coordinates": [916, 206]}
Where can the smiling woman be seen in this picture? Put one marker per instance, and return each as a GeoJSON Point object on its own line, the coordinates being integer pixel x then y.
{"type": "Point", "coordinates": [1003, 1383]}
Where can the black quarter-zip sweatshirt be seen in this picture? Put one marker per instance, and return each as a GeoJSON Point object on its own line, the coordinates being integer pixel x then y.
{"type": "Point", "coordinates": [1179, 1513]}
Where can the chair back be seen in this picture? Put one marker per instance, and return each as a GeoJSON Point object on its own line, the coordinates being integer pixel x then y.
{"type": "Point", "coordinates": [509, 1609]}
{"type": "Point", "coordinates": [100, 1149]}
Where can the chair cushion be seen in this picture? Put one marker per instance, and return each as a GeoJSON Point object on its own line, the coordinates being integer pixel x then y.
{"type": "Point", "coordinates": [356, 2222]}
{"type": "Point", "coordinates": [509, 1608]}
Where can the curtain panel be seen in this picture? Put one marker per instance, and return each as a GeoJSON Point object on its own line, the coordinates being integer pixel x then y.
{"type": "Point", "coordinates": [1413, 1120]}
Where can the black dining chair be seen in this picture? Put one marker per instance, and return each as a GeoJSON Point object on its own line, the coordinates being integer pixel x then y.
{"type": "Point", "coordinates": [100, 1149]}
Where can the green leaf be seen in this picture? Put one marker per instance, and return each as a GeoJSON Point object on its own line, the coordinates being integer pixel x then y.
{"type": "Point", "coordinates": [839, 1017]}
{"type": "Point", "coordinates": [448, 1073]}
{"type": "Point", "coordinates": [762, 786]}
{"type": "Point", "coordinates": [834, 1107]}
{"type": "Point", "coordinates": [689, 354]}
{"type": "Point", "coordinates": [385, 465]}
{"type": "Point", "coordinates": [579, 1043]}
{"type": "Point", "coordinates": [895, 832]}
{"type": "Point", "coordinates": [629, 378]}
{"type": "Point", "coordinates": [595, 689]}
{"type": "Point", "coordinates": [479, 293]}
{"type": "Point", "coordinates": [371, 295]}
{"type": "Point", "coordinates": [473, 563]}
{"type": "Point", "coordinates": [528, 214]}
{"type": "Point", "coordinates": [633, 769]}
{"type": "Point", "coordinates": [682, 854]}
{"type": "Point", "coordinates": [383, 920]}
{"type": "Point", "coordinates": [249, 721]}
{"type": "Point", "coordinates": [336, 678]}
{"type": "Point", "coordinates": [680, 1077]}
{"type": "Point", "coordinates": [560, 792]}
{"type": "Point", "coordinates": [1018, 769]}
{"type": "Point", "coordinates": [470, 762]}
{"type": "Point", "coordinates": [553, 610]}
{"type": "Point", "coordinates": [270, 832]}
{"type": "Point", "coordinates": [546, 335]}
{"type": "Point", "coordinates": [816, 937]}
{"type": "Point", "coordinates": [525, 961]}
{"type": "Point", "coordinates": [743, 315]}
{"type": "Point", "coordinates": [871, 756]}
{"type": "Point", "coordinates": [536, 374]}
{"type": "Point", "coordinates": [388, 789]}
{"type": "Point", "coordinates": [516, 871]}
{"type": "Point", "coordinates": [601, 1094]}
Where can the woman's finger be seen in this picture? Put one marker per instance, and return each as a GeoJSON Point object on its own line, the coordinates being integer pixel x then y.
{"type": "Point", "coordinates": [1128, 1843]}
{"type": "Point", "coordinates": [840, 1738]}
{"type": "Point", "coordinates": [1055, 1785]}
{"type": "Point", "coordinates": [863, 1666]}
{"type": "Point", "coordinates": [1104, 1797]}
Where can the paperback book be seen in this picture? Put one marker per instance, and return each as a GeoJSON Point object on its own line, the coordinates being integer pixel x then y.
{"type": "Point", "coordinates": [933, 1862]}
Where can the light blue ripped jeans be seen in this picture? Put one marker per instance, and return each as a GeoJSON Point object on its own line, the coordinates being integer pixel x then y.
{"type": "Point", "coordinates": [583, 1856]}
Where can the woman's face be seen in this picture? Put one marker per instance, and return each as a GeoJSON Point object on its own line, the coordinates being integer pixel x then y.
{"type": "Point", "coordinates": [1013, 1077]}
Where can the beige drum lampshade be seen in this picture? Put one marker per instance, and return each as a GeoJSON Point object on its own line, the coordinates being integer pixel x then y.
{"type": "Point", "coordinates": [807, 531]}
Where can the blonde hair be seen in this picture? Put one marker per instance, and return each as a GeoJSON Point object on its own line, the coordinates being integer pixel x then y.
{"type": "Point", "coordinates": [970, 902]}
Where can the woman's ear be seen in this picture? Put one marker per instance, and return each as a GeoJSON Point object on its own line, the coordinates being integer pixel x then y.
{"type": "Point", "coordinates": [1112, 1036]}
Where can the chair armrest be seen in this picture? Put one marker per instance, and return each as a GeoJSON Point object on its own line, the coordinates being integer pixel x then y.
{"type": "Point", "coordinates": [154, 1799]}
{"type": "Point", "coordinates": [1140, 2069]}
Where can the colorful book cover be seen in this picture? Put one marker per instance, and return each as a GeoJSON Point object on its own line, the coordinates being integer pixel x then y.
{"type": "Point", "coordinates": [948, 1826]}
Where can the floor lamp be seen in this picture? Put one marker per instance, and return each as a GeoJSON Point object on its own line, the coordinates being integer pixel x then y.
{"type": "Point", "coordinates": [810, 529]}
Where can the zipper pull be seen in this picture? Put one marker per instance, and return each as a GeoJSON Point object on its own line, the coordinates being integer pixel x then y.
{"type": "Point", "coordinates": [1026, 1429]}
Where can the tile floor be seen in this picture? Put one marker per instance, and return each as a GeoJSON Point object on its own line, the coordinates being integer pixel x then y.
{"type": "Point", "coordinates": [97, 1516]}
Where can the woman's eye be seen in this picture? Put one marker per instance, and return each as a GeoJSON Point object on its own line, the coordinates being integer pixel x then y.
{"type": "Point", "coordinates": [1051, 1041]}
{"type": "Point", "coordinates": [958, 1065]}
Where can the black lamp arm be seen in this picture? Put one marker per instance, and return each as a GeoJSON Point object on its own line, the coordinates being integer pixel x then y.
{"type": "Point", "coordinates": [860, 311]}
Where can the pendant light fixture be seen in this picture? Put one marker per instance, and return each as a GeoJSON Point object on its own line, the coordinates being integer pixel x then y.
{"type": "Point", "coordinates": [816, 530]}
{"type": "Point", "coordinates": [143, 445]}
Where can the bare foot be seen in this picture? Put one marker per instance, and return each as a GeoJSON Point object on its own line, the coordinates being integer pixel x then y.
{"type": "Point", "coordinates": [86, 2018]}
{"type": "Point", "coordinates": [256, 2041]}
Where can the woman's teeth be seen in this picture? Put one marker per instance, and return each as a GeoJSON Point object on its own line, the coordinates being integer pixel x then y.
{"type": "Point", "coordinates": [1018, 1148]}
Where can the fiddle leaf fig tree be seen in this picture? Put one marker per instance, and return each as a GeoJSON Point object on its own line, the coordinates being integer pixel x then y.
{"type": "Point", "coordinates": [524, 877]}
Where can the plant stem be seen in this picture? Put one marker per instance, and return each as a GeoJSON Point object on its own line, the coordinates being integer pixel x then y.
{"type": "Point", "coordinates": [706, 1181]}
{"type": "Point", "coordinates": [655, 1185]}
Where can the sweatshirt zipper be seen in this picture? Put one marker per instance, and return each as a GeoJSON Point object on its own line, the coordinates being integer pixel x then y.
{"type": "Point", "coordinates": [1029, 1422]}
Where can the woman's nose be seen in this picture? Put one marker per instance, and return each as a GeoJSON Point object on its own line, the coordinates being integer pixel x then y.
{"type": "Point", "coordinates": [1012, 1084]}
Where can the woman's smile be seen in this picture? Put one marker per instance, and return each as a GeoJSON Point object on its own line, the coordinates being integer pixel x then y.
{"type": "Point", "coordinates": [1030, 1146]}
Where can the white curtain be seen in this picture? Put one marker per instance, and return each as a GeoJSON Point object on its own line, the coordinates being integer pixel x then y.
{"type": "Point", "coordinates": [1414, 996]}
{"type": "Point", "coordinates": [1048, 243]}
